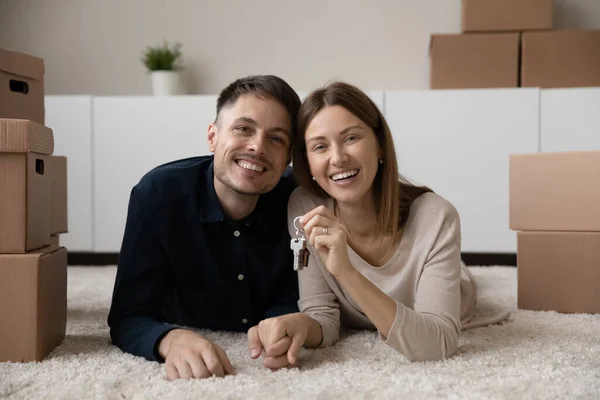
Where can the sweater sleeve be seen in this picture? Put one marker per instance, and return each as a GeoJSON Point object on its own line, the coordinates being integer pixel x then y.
{"type": "Point", "coordinates": [316, 297]}
{"type": "Point", "coordinates": [431, 330]}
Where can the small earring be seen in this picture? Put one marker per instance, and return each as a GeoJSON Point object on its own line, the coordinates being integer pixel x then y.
{"type": "Point", "coordinates": [381, 161]}
{"type": "Point", "coordinates": [314, 179]}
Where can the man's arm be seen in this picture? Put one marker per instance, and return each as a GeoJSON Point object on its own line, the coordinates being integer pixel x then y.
{"type": "Point", "coordinates": [140, 286]}
{"type": "Point", "coordinates": [285, 299]}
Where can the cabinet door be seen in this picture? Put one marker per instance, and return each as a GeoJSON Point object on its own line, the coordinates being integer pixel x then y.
{"type": "Point", "coordinates": [132, 135]}
{"type": "Point", "coordinates": [458, 143]}
{"type": "Point", "coordinates": [71, 121]}
{"type": "Point", "coordinates": [570, 119]}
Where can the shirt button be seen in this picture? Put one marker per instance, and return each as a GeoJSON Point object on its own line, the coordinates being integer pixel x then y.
{"type": "Point", "coordinates": [244, 321]}
{"type": "Point", "coordinates": [240, 277]}
{"type": "Point", "coordinates": [236, 233]}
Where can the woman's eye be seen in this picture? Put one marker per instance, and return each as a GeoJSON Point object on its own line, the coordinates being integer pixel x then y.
{"type": "Point", "coordinates": [318, 147]}
{"type": "Point", "coordinates": [351, 138]}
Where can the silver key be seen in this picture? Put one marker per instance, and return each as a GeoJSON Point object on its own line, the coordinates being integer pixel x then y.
{"type": "Point", "coordinates": [298, 245]}
{"type": "Point", "coordinates": [301, 253]}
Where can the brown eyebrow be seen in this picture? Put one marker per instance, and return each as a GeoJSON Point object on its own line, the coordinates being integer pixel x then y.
{"type": "Point", "coordinates": [342, 132]}
{"type": "Point", "coordinates": [253, 122]}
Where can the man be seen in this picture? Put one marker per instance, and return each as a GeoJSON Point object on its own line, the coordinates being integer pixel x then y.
{"type": "Point", "coordinates": [206, 243]}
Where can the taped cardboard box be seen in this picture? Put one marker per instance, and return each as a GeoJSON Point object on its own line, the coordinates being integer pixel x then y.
{"type": "Point", "coordinates": [21, 86]}
{"type": "Point", "coordinates": [57, 169]}
{"type": "Point", "coordinates": [33, 304]}
{"type": "Point", "coordinates": [559, 271]}
{"type": "Point", "coordinates": [486, 60]}
{"type": "Point", "coordinates": [506, 15]}
{"type": "Point", "coordinates": [555, 191]}
{"type": "Point", "coordinates": [560, 58]}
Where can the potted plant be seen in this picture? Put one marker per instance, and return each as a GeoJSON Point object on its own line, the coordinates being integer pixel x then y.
{"type": "Point", "coordinates": [164, 64]}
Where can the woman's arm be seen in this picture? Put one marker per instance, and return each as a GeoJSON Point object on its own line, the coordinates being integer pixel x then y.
{"type": "Point", "coordinates": [317, 299]}
{"type": "Point", "coordinates": [429, 331]}
{"type": "Point", "coordinates": [377, 306]}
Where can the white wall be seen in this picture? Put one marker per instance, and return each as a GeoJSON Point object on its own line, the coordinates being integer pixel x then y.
{"type": "Point", "coordinates": [94, 46]}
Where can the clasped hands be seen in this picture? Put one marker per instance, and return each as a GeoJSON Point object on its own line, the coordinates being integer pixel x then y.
{"type": "Point", "coordinates": [279, 340]}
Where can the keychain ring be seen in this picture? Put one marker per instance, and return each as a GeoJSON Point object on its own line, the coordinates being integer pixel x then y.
{"type": "Point", "coordinates": [296, 219]}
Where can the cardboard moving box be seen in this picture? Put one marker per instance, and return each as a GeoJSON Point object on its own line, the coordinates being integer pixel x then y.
{"type": "Point", "coordinates": [21, 86]}
{"type": "Point", "coordinates": [33, 304]}
{"type": "Point", "coordinates": [559, 271]}
{"type": "Point", "coordinates": [506, 15]}
{"type": "Point", "coordinates": [54, 240]}
{"type": "Point", "coordinates": [561, 58]}
{"type": "Point", "coordinates": [487, 60]}
{"type": "Point", "coordinates": [25, 202]}
{"type": "Point", "coordinates": [21, 136]}
{"type": "Point", "coordinates": [25, 185]}
{"type": "Point", "coordinates": [555, 191]}
{"type": "Point", "coordinates": [57, 169]}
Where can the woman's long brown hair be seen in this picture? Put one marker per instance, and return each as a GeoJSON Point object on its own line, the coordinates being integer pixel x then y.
{"type": "Point", "coordinates": [393, 194]}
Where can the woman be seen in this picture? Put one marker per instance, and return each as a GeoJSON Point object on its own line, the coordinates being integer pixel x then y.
{"type": "Point", "coordinates": [384, 253]}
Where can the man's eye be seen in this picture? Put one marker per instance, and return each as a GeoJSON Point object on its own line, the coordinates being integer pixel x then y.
{"type": "Point", "coordinates": [277, 139]}
{"type": "Point", "coordinates": [242, 129]}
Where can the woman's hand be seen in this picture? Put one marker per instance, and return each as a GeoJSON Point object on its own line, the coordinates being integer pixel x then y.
{"type": "Point", "coordinates": [330, 238]}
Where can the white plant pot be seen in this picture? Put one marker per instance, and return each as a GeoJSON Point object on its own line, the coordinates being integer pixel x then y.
{"type": "Point", "coordinates": [166, 83]}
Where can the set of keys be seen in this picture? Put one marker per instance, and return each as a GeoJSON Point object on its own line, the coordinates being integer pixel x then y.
{"type": "Point", "coordinates": [300, 249]}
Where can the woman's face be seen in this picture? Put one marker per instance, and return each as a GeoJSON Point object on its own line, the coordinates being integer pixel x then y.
{"type": "Point", "coordinates": [342, 154]}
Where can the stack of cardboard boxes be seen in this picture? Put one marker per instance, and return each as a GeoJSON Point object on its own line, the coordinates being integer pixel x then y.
{"type": "Point", "coordinates": [33, 212]}
{"type": "Point", "coordinates": [555, 207]}
{"type": "Point", "coordinates": [511, 43]}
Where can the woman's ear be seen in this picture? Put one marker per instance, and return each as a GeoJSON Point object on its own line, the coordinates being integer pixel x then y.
{"type": "Point", "coordinates": [379, 154]}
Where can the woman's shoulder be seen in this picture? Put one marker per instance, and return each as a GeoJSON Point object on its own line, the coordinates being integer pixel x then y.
{"type": "Point", "coordinates": [430, 207]}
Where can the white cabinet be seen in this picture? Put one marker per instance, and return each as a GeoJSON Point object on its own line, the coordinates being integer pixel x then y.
{"type": "Point", "coordinates": [570, 119]}
{"type": "Point", "coordinates": [71, 121]}
{"type": "Point", "coordinates": [132, 135]}
{"type": "Point", "coordinates": [458, 143]}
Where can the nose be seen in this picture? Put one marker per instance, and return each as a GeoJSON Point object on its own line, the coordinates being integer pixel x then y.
{"type": "Point", "coordinates": [338, 156]}
{"type": "Point", "coordinates": [256, 143]}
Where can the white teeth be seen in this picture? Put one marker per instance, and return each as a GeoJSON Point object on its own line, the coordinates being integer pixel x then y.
{"type": "Point", "coordinates": [251, 167]}
{"type": "Point", "coordinates": [344, 175]}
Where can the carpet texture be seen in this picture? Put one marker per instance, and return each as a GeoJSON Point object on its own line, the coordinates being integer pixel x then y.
{"type": "Point", "coordinates": [534, 355]}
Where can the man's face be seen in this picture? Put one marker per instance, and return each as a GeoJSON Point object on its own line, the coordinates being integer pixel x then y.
{"type": "Point", "coordinates": [251, 143]}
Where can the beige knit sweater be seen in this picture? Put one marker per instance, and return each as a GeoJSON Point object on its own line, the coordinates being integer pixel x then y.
{"type": "Point", "coordinates": [434, 292]}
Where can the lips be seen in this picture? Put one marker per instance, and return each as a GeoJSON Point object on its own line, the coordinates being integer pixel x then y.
{"type": "Point", "coordinates": [344, 175]}
{"type": "Point", "coordinates": [250, 166]}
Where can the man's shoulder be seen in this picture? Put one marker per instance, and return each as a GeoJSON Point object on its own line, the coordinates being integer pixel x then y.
{"type": "Point", "coordinates": [285, 186]}
{"type": "Point", "coordinates": [173, 179]}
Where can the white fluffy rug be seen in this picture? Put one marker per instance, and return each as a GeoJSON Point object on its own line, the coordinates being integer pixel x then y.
{"type": "Point", "coordinates": [535, 355]}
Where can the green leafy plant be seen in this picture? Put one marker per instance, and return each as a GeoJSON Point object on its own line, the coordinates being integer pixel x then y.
{"type": "Point", "coordinates": [163, 58]}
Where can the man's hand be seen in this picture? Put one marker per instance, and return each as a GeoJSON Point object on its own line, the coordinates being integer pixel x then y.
{"type": "Point", "coordinates": [190, 355]}
{"type": "Point", "coordinates": [279, 338]}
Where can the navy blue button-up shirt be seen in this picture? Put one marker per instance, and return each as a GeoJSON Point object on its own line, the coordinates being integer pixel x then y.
{"type": "Point", "coordinates": [183, 262]}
